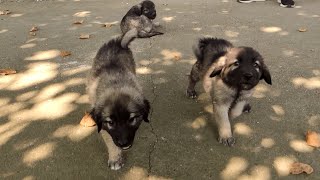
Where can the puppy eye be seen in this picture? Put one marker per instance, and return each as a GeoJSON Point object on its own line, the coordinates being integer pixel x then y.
{"type": "Point", "coordinates": [146, 11]}
{"type": "Point", "coordinates": [132, 121]}
{"type": "Point", "coordinates": [236, 63]}
{"type": "Point", "coordinates": [255, 64]}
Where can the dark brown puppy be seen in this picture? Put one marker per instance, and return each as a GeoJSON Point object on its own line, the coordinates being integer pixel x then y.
{"type": "Point", "coordinates": [139, 19]}
{"type": "Point", "coordinates": [229, 74]}
{"type": "Point", "coordinates": [116, 98]}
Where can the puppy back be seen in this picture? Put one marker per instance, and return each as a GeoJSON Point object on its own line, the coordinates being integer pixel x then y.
{"type": "Point", "coordinates": [211, 48]}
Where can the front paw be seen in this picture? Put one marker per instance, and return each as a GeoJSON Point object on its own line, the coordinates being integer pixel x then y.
{"type": "Point", "coordinates": [115, 165]}
{"type": "Point", "coordinates": [229, 141]}
{"type": "Point", "coordinates": [247, 108]}
{"type": "Point", "coordinates": [191, 94]}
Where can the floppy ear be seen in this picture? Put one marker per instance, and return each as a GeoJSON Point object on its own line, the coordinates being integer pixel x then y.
{"type": "Point", "coordinates": [216, 71]}
{"type": "Point", "coordinates": [266, 74]}
{"type": "Point", "coordinates": [146, 110]}
{"type": "Point", "coordinates": [138, 9]}
{"type": "Point", "coordinates": [96, 116]}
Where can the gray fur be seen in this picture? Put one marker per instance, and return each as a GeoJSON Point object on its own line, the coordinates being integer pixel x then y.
{"type": "Point", "coordinates": [140, 17]}
{"type": "Point", "coordinates": [116, 98]}
{"type": "Point", "coordinates": [229, 74]}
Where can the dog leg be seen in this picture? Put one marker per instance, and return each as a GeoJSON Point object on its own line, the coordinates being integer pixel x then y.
{"type": "Point", "coordinates": [224, 127]}
{"type": "Point", "coordinates": [115, 161]}
{"type": "Point", "coordinates": [247, 108]}
{"type": "Point", "coordinates": [238, 109]}
{"type": "Point", "coordinates": [194, 77]}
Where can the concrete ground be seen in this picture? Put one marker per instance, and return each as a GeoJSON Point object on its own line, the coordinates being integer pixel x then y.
{"type": "Point", "coordinates": [41, 106]}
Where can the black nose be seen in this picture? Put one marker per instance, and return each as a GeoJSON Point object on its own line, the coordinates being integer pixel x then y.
{"type": "Point", "coordinates": [123, 143]}
{"type": "Point", "coordinates": [248, 75]}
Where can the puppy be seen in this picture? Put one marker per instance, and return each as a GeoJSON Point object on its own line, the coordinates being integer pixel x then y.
{"type": "Point", "coordinates": [140, 18]}
{"type": "Point", "coordinates": [229, 74]}
{"type": "Point", "coordinates": [118, 105]}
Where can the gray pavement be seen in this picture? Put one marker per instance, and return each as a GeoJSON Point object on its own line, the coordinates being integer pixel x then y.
{"type": "Point", "coordinates": [41, 106]}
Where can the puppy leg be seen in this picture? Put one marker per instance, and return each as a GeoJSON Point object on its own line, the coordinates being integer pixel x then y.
{"type": "Point", "coordinates": [194, 77]}
{"type": "Point", "coordinates": [238, 109]}
{"type": "Point", "coordinates": [224, 127]}
{"type": "Point", "coordinates": [144, 34]}
{"type": "Point", "coordinates": [115, 161]}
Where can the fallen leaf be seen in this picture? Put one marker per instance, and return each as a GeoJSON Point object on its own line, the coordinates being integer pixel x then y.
{"type": "Point", "coordinates": [34, 29]}
{"type": "Point", "coordinates": [7, 71]}
{"type": "Point", "coordinates": [313, 139]}
{"type": "Point", "coordinates": [84, 36]}
{"type": "Point", "coordinates": [65, 53]}
{"type": "Point", "coordinates": [298, 168]}
{"type": "Point", "coordinates": [302, 29]}
{"type": "Point", "coordinates": [32, 34]}
{"type": "Point", "coordinates": [165, 4]}
{"type": "Point", "coordinates": [78, 22]}
{"type": "Point", "coordinates": [5, 12]}
{"type": "Point", "coordinates": [87, 121]}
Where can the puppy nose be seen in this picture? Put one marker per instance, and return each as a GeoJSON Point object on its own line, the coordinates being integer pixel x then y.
{"type": "Point", "coordinates": [123, 143]}
{"type": "Point", "coordinates": [248, 75]}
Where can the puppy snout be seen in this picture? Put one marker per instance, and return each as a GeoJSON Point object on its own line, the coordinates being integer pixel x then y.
{"type": "Point", "coordinates": [247, 75]}
{"type": "Point", "coordinates": [124, 143]}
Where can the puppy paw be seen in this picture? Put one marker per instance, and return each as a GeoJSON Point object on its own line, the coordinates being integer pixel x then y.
{"type": "Point", "coordinates": [230, 141]}
{"type": "Point", "coordinates": [247, 108]}
{"type": "Point", "coordinates": [115, 165]}
{"type": "Point", "coordinates": [191, 94]}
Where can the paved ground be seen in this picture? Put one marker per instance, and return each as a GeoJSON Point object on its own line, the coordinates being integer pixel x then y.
{"type": "Point", "coordinates": [41, 106]}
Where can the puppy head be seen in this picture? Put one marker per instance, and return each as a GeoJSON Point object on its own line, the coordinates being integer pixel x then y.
{"type": "Point", "coordinates": [121, 116]}
{"type": "Point", "coordinates": [148, 9]}
{"type": "Point", "coordinates": [243, 69]}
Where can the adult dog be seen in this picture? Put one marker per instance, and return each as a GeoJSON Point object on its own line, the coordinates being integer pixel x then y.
{"type": "Point", "coordinates": [116, 98]}
{"type": "Point", "coordinates": [229, 73]}
{"type": "Point", "coordinates": [140, 18]}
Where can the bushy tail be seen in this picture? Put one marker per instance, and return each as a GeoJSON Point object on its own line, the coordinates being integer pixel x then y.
{"type": "Point", "coordinates": [128, 37]}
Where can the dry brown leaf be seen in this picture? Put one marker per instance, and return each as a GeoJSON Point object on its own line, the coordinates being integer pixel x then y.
{"type": "Point", "coordinates": [65, 53]}
{"type": "Point", "coordinates": [7, 71]}
{"type": "Point", "coordinates": [34, 29]}
{"type": "Point", "coordinates": [5, 12]}
{"type": "Point", "coordinates": [87, 121]}
{"type": "Point", "coordinates": [302, 29]}
{"type": "Point", "coordinates": [84, 36]}
{"type": "Point", "coordinates": [313, 139]}
{"type": "Point", "coordinates": [32, 34]}
{"type": "Point", "coordinates": [298, 168]}
{"type": "Point", "coordinates": [78, 22]}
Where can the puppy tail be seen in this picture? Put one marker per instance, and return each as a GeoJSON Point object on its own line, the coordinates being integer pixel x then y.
{"type": "Point", "coordinates": [128, 37]}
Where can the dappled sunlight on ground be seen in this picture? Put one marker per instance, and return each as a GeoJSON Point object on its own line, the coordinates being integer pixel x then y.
{"type": "Point", "coordinates": [168, 19]}
{"type": "Point", "coordinates": [73, 132]}
{"type": "Point", "coordinates": [300, 146]}
{"type": "Point", "coordinates": [44, 55]}
{"type": "Point", "coordinates": [234, 168]}
{"type": "Point", "coordinates": [270, 29]}
{"type": "Point", "coordinates": [3, 31]}
{"type": "Point", "coordinates": [140, 173]}
{"type": "Point", "coordinates": [309, 83]}
{"type": "Point", "coordinates": [267, 142]}
{"type": "Point", "coordinates": [314, 120]}
{"type": "Point", "coordinates": [242, 129]}
{"type": "Point", "coordinates": [10, 130]}
{"type": "Point", "coordinates": [199, 122]}
{"type": "Point", "coordinates": [282, 165]}
{"type": "Point", "coordinates": [39, 153]}
{"type": "Point", "coordinates": [36, 73]}
{"type": "Point", "coordinates": [29, 45]}
{"type": "Point", "coordinates": [82, 14]}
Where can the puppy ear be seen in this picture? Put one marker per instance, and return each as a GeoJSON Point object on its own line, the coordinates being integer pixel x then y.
{"type": "Point", "coordinates": [96, 116]}
{"type": "Point", "coordinates": [216, 72]}
{"type": "Point", "coordinates": [146, 110]}
{"type": "Point", "coordinates": [266, 74]}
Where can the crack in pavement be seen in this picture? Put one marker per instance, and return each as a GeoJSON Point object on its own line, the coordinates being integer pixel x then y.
{"type": "Point", "coordinates": [153, 146]}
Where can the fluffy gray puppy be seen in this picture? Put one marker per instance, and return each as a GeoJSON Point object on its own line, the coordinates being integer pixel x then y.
{"type": "Point", "coordinates": [229, 73]}
{"type": "Point", "coordinates": [139, 19]}
{"type": "Point", "coordinates": [116, 98]}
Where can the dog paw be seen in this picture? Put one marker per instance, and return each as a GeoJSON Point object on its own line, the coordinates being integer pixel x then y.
{"type": "Point", "coordinates": [247, 108]}
{"type": "Point", "coordinates": [191, 94]}
{"type": "Point", "coordinates": [230, 141]}
{"type": "Point", "coordinates": [115, 165]}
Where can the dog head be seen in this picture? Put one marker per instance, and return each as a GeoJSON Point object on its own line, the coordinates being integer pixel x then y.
{"type": "Point", "coordinates": [243, 69]}
{"type": "Point", "coordinates": [148, 9]}
{"type": "Point", "coordinates": [121, 116]}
